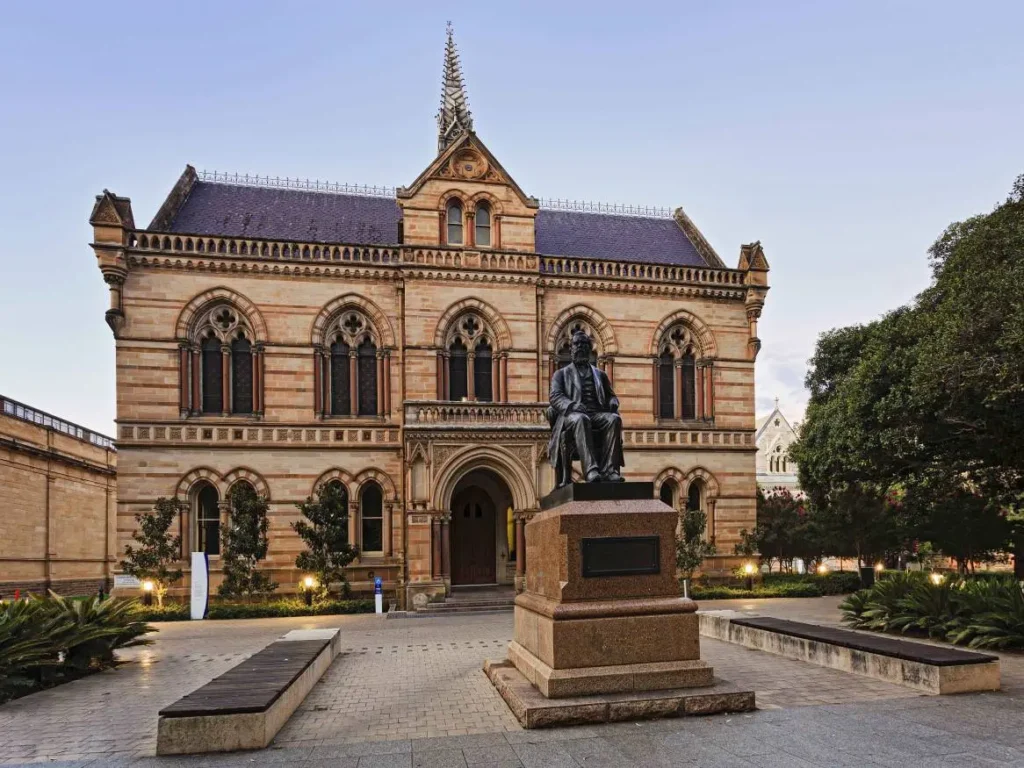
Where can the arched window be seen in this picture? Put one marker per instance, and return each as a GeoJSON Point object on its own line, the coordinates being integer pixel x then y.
{"type": "Point", "coordinates": [471, 360]}
{"type": "Point", "coordinates": [206, 512]}
{"type": "Point", "coordinates": [483, 224]}
{"type": "Point", "coordinates": [695, 496]}
{"type": "Point", "coordinates": [666, 385]}
{"type": "Point", "coordinates": [224, 381]}
{"type": "Point", "coordinates": [563, 347]}
{"type": "Point", "coordinates": [371, 516]}
{"type": "Point", "coordinates": [668, 493]}
{"type": "Point", "coordinates": [340, 378]}
{"type": "Point", "coordinates": [241, 374]}
{"type": "Point", "coordinates": [677, 378]}
{"type": "Point", "coordinates": [482, 371]}
{"type": "Point", "coordinates": [335, 492]}
{"type": "Point", "coordinates": [457, 368]}
{"type": "Point", "coordinates": [213, 375]}
{"type": "Point", "coordinates": [367, 378]}
{"type": "Point", "coordinates": [353, 367]}
{"type": "Point", "coordinates": [453, 217]}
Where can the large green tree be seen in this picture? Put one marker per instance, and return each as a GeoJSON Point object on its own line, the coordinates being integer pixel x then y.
{"type": "Point", "coordinates": [324, 531]}
{"type": "Point", "coordinates": [244, 544]}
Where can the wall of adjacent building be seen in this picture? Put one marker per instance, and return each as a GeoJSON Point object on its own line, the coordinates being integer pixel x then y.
{"type": "Point", "coordinates": [57, 528]}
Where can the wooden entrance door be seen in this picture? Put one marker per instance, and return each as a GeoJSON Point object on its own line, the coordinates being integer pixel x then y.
{"type": "Point", "coordinates": [473, 534]}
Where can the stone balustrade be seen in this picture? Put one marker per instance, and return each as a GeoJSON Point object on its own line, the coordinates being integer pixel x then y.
{"type": "Point", "coordinates": [435, 412]}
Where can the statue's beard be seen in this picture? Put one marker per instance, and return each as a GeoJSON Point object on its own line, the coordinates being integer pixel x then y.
{"type": "Point", "coordinates": [581, 357]}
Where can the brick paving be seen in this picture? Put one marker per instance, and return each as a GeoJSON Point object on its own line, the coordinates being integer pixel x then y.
{"type": "Point", "coordinates": [410, 692]}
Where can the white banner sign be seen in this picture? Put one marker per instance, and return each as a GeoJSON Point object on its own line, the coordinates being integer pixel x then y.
{"type": "Point", "coordinates": [124, 581]}
{"type": "Point", "coordinates": [200, 585]}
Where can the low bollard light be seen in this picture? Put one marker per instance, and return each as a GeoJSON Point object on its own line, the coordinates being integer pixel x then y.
{"type": "Point", "coordinates": [309, 584]}
{"type": "Point", "coordinates": [147, 592]}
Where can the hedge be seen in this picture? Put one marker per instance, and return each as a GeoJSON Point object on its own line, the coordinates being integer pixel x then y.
{"type": "Point", "coordinates": [265, 610]}
{"type": "Point", "coordinates": [797, 589]}
{"type": "Point", "coordinates": [831, 583]}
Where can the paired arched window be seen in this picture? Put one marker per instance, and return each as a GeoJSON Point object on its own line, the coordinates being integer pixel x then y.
{"type": "Point", "coordinates": [482, 229]}
{"type": "Point", "coordinates": [206, 516]}
{"type": "Point", "coordinates": [453, 219]}
{"type": "Point", "coordinates": [482, 224]}
{"type": "Point", "coordinates": [350, 368]}
{"type": "Point", "coordinates": [681, 387]}
{"type": "Point", "coordinates": [224, 365]}
{"type": "Point", "coordinates": [371, 518]}
{"type": "Point", "coordinates": [469, 361]}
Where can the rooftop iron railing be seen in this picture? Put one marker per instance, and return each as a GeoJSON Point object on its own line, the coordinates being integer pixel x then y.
{"type": "Point", "coordinates": [43, 419]}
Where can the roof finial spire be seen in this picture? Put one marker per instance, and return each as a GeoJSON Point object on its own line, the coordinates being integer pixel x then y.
{"type": "Point", "coordinates": [776, 403]}
{"type": "Point", "coordinates": [454, 117]}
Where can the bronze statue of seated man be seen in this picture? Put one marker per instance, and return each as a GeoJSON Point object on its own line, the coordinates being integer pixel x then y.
{"type": "Point", "coordinates": [585, 420]}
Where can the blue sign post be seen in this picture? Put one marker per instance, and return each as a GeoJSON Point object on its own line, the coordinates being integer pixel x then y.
{"type": "Point", "coordinates": [378, 593]}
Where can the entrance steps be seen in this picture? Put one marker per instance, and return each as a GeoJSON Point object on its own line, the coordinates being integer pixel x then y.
{"type": "Point", "coordinates": [488, 599]}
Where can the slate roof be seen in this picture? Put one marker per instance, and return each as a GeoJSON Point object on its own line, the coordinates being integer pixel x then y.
{"type": "Point", "coordinates": [230, 210]}
{"type": "Point", "coordinates": [616, 238]}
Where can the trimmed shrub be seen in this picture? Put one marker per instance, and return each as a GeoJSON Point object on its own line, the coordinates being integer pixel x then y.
{"type": "Point", "coordinates": [267, 610]}
{"type": "Point", "coordinates": [795, 589]}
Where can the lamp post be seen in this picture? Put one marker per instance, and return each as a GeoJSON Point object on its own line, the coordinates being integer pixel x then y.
{"type": "Point", "coordinates": [748, 569]}
{"type": "Point", "coordinates": [147, 592]}
{"type": "Point", "coordinates": [309, 584]}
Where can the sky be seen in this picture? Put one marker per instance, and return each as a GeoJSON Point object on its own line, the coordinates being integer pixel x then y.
{"type": "Point", "coordinates": [845, 136]}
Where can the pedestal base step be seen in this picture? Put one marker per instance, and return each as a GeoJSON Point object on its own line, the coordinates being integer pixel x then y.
{"type": "Point", "coordinates": [617, 678]}
{"type": "Point", "coordinates": [533, 710]}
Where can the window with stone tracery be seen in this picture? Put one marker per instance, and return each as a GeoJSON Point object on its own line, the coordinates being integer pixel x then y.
{"type": "Point", "coordinates": [352, 350]}
{"type": "Point", "coordinates": [680, 385]}
{"type": "Point", "coordinates": [563, 346]}
{"type": "Point", "coordinates": [470, 365]}
{"type": "Point", "coordinates": [226, 362]}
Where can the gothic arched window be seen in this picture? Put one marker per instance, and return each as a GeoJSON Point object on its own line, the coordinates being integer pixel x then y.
{"type": "Point", "coordinates": [453, 218]}
{"type": "Point", "coordinates": [482, 222]}
{"type": "Point", "coordinates": [668, 493]}
{"type": "Point", "coordinates": [563, 346]}
{"type": "Point", "coordinates": [695, 496]}
{"type": "Point", "coordinates": [678, 381]}
{"type": "Point", "coordinates": [371, 518]}
{"type": "Point", "coordinates": [226, 363]}
{"type": "Point", "coordinates": [213, 375]}
{"type": "Point", "coordinates": [471, 360]}
{"type": "Point", "coordinates": [206, 512]}
{"type": "Point", "coordinates": [353, 367]}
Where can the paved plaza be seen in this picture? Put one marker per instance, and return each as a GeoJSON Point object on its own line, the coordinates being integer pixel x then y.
{"type": "Point", "coordinates": [410, 692]}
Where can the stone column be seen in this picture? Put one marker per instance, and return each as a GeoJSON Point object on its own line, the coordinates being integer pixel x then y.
{"type": "Point", "coordinates": [440, 376]}
{"type": "Point", "coordinates": [435, 542]}
{"type": "Point", "coordinates": [380, 382]}
{"type": "Point", "coordinates": [495, 231]}
{"type": "Point", "coordinates": [386, 525]}
{"type": "Point", "coordinates": [503, 376]}
{"type": "Point", "coordinates": [677, 368]}
{"type": "Point", "coordinates": [387, 383]}
{"type": "Point", "coordinates": [255, 355]}
{"type": "Point", "coordinates": [445, 383]}
{"type": "Point", "coordinates": [353, 513]}
{"type": "Point", "coordinates": [520, 544]}
{"type": "Point", "coordinates": [353, 382]}
{"type": "Point", "coordinates": [700, 390]}
{"type": "Point", "coordinates": [318, 383]}
{"type": "Point", "coordinates": [197, 405]}
{"type": "Point", "coordinates": [470, 237]}
{"type": "Point", "coordinates": [657, 388]}
{"type": "Point", "coordinates": [183, 381]}
{"type": "Point", "coordinates": [470, 375]}
{"type": "Point", "coordinates": [709, 391]}
{"type": "Point", "coordinates": [710, 533]}
{"type": "Point", "coordinates": [446, 546]}
{"type": "Point", "coordinates": [225, 379]}
{"type": "Point", "coordinates": [496, 379]}
{"type": "Point", "coordinates": [609, 368]}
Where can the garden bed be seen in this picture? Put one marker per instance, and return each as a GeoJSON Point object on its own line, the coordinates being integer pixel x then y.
{"type": "Point", "coordinates": [780, 585]}
{"type": "Point", "coordinates": [256, 610]}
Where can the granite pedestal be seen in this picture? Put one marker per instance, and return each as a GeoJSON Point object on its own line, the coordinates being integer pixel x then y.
{"type": "Point", "coordinates": [601, 612]}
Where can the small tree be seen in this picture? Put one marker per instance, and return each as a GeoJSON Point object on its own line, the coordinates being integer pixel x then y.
{"type": "Point", "coordinates": [691, 547]}
{"type": "Point", "coordinates": [244, 543]}
{"type": "Point", "coordinates": [324, 531]}
{"type": "Point", "coordinates": [158, 552]}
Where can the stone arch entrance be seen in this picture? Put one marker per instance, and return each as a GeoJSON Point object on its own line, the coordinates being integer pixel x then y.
{"type": "Point", "coordinates": [479, 510]}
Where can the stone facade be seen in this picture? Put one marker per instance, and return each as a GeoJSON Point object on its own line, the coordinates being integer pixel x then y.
{"type": "Point", "coordinates": [60, 486]}
{"type": "Point", "coordinates": [414, 414]}
{"type": "Point", "coordinates": [775, 468]}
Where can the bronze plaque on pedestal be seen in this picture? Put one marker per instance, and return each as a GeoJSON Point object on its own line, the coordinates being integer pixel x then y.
{"type": "Point", "coordinates": [621, 556]}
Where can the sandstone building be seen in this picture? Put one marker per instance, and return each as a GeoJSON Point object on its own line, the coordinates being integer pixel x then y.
{"type": "Point", "coordinates": [58, 526]}
{"type": "Point", "coordinates": [775, 468]}
{"type": "Point", "coordinates": [400, 342]}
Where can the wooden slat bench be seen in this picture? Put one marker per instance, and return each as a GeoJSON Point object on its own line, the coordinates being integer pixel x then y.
{"type": "Point", "coordinates": [245, 707]}
{"type": "Point", "coordinates": [932, 668]}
